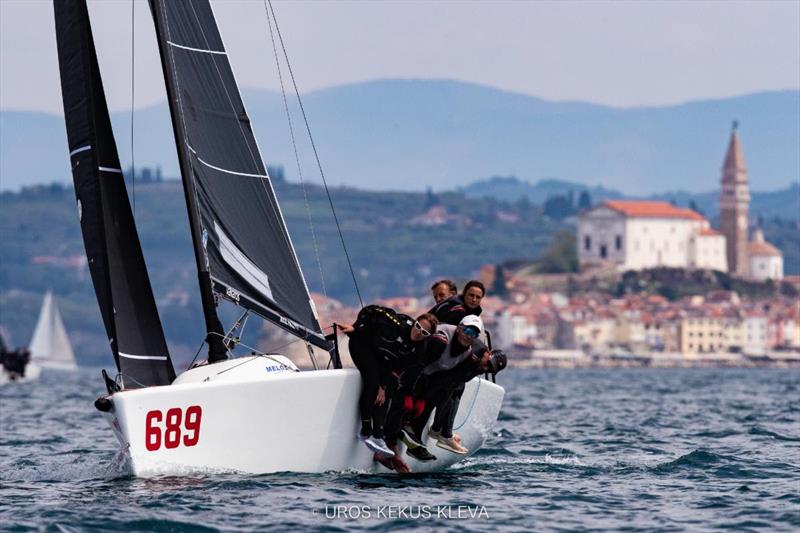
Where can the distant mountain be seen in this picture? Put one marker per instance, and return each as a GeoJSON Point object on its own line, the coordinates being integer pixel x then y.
{"type": "Point", "coordinates": [511, 188]}
{"type": "Point", "coordinates": [783, 203]}
{"type": "Point", "coordinates": [411, 134]}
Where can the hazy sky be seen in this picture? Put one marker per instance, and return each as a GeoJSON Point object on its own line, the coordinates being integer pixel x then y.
{"type": "Point", "coordinates": [616, 53]}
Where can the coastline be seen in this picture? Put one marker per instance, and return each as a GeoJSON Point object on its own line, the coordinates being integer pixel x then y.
{"type": "Point", "coordinates": [579, 359]}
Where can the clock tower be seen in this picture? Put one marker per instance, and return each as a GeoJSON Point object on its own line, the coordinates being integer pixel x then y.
{"type": "Point", "coordinates": [734, 202]}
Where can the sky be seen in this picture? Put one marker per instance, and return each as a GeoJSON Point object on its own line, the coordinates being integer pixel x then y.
{"type": "Point", "coordinates": [623, 54]}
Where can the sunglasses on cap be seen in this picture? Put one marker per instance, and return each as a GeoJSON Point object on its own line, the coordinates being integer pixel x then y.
{"type": "Point", "coordinates": [424, 332]}
{"type": "Point", "coordinates": [471, 331]}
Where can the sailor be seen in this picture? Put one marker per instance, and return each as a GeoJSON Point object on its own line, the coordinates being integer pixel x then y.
{"type": "Point", "coordinates": [438, 387]}
{"type": "Point", "coordinates": [443, 289]}
{"type": "Point", "coordinates": [402, 406]}
{"type": "Point", "coordinates": [382, 345]}
{"type": "Point", "coordinates": [14, 362]}
{"type": "Point", "coordinates": [454, 308]}
{"type": "Point", "coordinates": [452, 311]}
{"type": "Point", "coordinates": [463, 343]}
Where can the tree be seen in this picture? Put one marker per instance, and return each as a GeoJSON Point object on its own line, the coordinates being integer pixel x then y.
{"type": "Point", "coordinates": [558, 207]}
{"type": "Point", "coordinates": [431, 199]}
{"type": "Point", "coordinates": [276, 173]}
{"type": "Point", "coordinates": [693, 207]}
{"type": "Point", "coordinates": [499, 286]}
{"type": "Point", "coordinates": [561, 254]}
{"type": "Point", "coordinates": [584, 201]}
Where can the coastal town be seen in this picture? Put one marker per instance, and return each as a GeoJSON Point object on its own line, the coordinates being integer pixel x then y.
{"type": "Point", "coordinates": [597, 317]}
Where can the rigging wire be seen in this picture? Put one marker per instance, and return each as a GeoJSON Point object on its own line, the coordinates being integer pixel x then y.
{"type": "Point", "coordinates": [133, 100]}
{"type": "Point", "coordinates": [316, 154]}
{"type": "Point", "coordinates": [296, 154]}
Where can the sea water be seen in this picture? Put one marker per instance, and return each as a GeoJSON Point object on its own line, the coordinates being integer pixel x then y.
{"type": "Point", "coordinates": [645, 449]}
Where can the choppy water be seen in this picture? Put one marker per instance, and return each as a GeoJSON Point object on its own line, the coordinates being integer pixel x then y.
{"type": "Point", "coordinates": [574, 449]}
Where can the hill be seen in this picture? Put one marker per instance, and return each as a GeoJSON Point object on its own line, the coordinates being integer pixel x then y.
{"type": "Point", "coordinates": [411, 134]}
{"type": "Point", "coordinates": [397, 245]}
{"type": "Point", "coordinates": [782, 203]}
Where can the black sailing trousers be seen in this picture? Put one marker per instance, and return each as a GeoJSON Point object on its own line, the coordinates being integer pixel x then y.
{"type": "Point", "coordinates": [370, 366]}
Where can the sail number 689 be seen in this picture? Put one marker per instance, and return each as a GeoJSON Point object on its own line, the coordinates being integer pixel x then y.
{"type": "Point", "coordinates": [172, 428]}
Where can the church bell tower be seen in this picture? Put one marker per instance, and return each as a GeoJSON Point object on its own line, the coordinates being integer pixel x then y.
{"type": "Point", "coordinates": [734, 202]}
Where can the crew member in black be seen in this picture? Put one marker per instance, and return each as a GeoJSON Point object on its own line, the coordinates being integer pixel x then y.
{"type": "Point", "coordinates": [403, 407]}
{"type": "Point", "coordinates": [382, 345]}
{"type": "Point", "coordinates": [453, 309]}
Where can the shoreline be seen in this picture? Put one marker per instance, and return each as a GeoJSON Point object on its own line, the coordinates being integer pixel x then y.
{"type": "Point", "coordinates": [578, 359]}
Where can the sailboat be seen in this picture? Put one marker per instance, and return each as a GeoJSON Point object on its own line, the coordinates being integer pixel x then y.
{"type": "Point", "coordinates": [50, 346]}
{"type": "Point", "coordinates": [251, 414]}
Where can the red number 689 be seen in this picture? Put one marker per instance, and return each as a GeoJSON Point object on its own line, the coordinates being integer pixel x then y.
{"type": "Point", "coordinates": [170, 437]}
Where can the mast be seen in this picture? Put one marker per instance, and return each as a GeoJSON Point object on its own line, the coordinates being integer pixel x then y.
{"type": "Point", "coordinates": [113, 251]}
{"type": "Point", "coordinates": [242, 248]}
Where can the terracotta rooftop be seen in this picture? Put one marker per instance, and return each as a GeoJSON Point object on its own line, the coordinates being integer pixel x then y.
{"type": "Point", "coordinates": [762, 248]}
{"type": "Point", "coordinates": [758, 246]}
{"type": "Point", "coordinates": [709, 232]}
{"type": "Point", "coordinates": [650, 209]}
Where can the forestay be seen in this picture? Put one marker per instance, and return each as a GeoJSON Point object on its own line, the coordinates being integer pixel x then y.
{"type": "Point", "coordinates": [112, 245]}
{"type": "Point", "coordinates": [242, 246]}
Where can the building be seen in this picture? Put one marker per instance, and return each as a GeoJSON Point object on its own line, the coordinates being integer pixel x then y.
{"type": "Point", "coordinates": [765, 261]}
{"type": "Point", "coordinates": [755, 259]}
{"type": "Point", "coordinates": [734, 203]}
{"type": "Point", "coordinates": [635, 235]}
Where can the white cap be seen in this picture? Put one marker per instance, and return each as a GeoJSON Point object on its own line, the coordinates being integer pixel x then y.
{"type": "Point", "coordinates": [472, 320]}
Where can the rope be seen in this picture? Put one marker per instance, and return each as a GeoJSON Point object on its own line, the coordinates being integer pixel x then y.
{"type": "Point", "coordinates": [471, 406]}
{"type": "Point", "coordinates": [316, 154]}
{"type": "Point", "coordinates": [296, 154]}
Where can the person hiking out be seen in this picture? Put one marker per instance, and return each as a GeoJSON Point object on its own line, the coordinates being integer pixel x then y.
{"type": "Point", "coordinates": [382, 344]}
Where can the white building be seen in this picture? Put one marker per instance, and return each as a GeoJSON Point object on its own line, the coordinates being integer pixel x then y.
{"type": "Point", "coordinates": [635, 235]}
{"type": "Point", "coordinates": [755, 334]}
{"type": "Point", "coordinates": [766, 261]}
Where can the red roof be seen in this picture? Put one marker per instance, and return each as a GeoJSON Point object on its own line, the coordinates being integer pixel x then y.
{"type": "Point", "coordinates": [708, 232]}
{"type": "Point", "coordinates": [762, 248]}
{"type": "Point", "coordinates": [649, 209]}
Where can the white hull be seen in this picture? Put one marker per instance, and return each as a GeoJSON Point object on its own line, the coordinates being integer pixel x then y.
{"type": "Point", "coordinates": [257, 420]}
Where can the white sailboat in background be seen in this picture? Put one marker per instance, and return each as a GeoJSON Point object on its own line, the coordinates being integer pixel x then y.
{"type": "Point", "coordinates": [50, 346]}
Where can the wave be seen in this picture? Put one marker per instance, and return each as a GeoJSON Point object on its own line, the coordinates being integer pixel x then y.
{"type": "Point", "coordinates": [699, 459]}
{"type": "Point", "coordinates": [757, 430]}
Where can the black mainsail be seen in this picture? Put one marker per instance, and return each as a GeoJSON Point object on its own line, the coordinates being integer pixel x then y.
{"type": "Point", "coordinates": [112, 245]}
{"type": "Point", "coordinates": [242, 247]}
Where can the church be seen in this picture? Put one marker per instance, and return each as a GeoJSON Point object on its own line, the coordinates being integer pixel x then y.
{"type": "Point", "coordinates": [636, 234]}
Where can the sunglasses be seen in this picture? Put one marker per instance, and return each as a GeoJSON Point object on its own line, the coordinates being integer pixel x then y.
{"type": "Point", "coordinates": [424, 332]}
{"type": "Point", "coordinates": [471, 331]}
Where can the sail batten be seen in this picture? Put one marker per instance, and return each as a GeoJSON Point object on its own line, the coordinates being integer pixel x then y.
{"type": "Point", "coordinates": [114, 254]}
{"type": "Point", "coordinates": [240, 237]}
